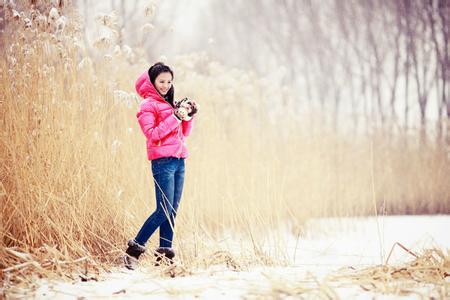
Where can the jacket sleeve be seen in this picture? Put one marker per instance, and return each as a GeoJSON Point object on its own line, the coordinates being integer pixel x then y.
{"type": "Point", "coordinates": [187, 126]}
{"type": "Point", "coordinates": [155, 132]}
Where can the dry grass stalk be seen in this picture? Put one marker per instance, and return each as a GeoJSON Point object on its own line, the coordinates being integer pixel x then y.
{"type": "Point", "coordinates": [221, 257]}
{"type": "Point", "coordinates": [44, 262]}
{"type": "Point", "coordinates": [308, 288]}
{"type": "Point", "coordinates": [429, 270]}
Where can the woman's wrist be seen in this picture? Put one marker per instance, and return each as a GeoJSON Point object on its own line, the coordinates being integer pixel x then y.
{"type": "Point", "coordinates": [177, 117]}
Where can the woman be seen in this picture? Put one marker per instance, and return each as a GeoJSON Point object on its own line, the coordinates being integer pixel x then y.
{"type": "Point", "coordinates": [166, 124]}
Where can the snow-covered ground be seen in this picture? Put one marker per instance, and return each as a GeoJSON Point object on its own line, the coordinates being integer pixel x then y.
{"type": "Point", "coordinates": [325, 247]}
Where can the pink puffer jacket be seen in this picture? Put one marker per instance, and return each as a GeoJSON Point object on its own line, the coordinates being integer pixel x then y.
{"type": "Point", "coordinates": [164, 132]}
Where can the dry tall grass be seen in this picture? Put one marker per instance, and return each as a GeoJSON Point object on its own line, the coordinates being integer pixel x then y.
{"type": "Point", "coordinates": [426, 276]}
{"type": "Point", "coordinates": [74, 173]}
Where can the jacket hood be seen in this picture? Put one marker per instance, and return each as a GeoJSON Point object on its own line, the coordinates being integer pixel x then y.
{"type": "Point", "coordinates": [145, 88]}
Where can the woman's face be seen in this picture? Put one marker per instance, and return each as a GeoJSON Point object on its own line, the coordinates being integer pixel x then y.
{"type": "Point", "coordinates": [163, 83]}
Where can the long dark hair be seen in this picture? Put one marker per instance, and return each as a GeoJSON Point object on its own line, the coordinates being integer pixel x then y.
{"type": "Point", "coordinates": [157, 69]}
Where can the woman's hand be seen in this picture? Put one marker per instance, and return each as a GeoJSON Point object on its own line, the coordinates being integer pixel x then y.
{"type": "Point", "coordinates": [194, 108]}
{"type": "Point", "coordinates": [185, 109]}
{"type": "Point", "coordinates": [182, 113]}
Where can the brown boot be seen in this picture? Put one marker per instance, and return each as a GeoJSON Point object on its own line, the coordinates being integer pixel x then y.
{"type": "Point", "coordinates": [164, 255]}
{"type": "Point", "coordinates": [133, 252]}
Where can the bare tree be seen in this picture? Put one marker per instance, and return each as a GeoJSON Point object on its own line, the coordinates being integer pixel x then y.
{"type": "Point", "coordinates": [352, 53]}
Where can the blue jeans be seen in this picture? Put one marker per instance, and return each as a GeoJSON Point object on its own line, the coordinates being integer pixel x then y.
{"type": "Point", "coordinates": [168, 175]}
